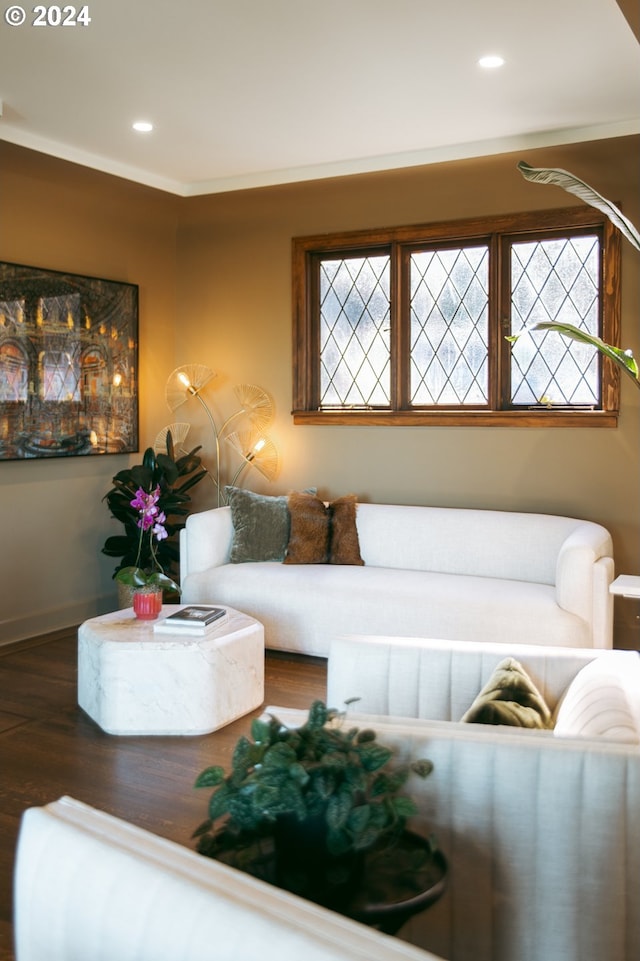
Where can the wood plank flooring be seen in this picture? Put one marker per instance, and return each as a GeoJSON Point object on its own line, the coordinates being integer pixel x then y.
{"type": "Point", "coordinates": [49, 747]}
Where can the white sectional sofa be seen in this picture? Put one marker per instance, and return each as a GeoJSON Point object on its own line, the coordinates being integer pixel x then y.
{"type": "Point", "coordinates": [91, 887]}
{"type": "Point", "coordinates": [540, 827]}
{"type": "Point", "coordinates": [442, 572]}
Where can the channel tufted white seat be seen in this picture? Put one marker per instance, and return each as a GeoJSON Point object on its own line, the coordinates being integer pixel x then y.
{"type": "Point", "coordinates": [91, 887]}
{"type": "Point", "coordinates": [540, 827]}
{"type": "Point", "coordinates": [540, 834]}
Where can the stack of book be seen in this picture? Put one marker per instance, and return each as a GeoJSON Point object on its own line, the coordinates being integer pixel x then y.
{"type": "Point", "coordinates": [193, 619]}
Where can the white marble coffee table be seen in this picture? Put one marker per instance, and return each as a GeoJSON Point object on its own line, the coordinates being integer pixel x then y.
{"type": "Point", "coordinates": [133, 681]}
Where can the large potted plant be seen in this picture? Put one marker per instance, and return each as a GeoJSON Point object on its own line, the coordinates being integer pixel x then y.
{"type": "Point", "coordinates": [303, 806]}
{"type": "Point", "coordinates": [151, 500]}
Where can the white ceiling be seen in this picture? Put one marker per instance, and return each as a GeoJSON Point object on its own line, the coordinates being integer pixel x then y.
{"type": "Point", "coordinates": [244, 93]}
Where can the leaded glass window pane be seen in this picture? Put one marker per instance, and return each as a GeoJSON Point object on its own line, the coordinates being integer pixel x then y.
{"type": "Point", "coordinates": [449, 326]}
{"type": "Point", "coordinates": [410, 325]}
{"type": "Point", "coordinates": [354, 332]}
{"type": "Point", "coordinates": [555, 280]}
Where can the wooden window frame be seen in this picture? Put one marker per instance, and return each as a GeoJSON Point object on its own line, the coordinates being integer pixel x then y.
{"type": "Point", "coordinates": [400, 241]}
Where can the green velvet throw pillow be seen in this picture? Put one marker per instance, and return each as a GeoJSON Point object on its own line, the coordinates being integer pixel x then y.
{"type": "Point", "coordinates": [510, 697]}
{"type": "Point", "coordinates": [260, 526]}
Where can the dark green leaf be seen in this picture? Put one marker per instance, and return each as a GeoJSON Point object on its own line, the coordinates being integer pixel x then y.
{"type": "Point", "coordinates": [374, 756]}
{"type": "Point", "coordinates": [338, 809]}
{"type": "Point", "coordinates": [366, 735]}
{"type": "Point", "coordinates": [299, 774]}
{"type": "Point", "coordinates": [288, 800]}
{"type": "Point", "coordinates": [359, 818]}
{"type": "Point", "coordinates": [116, 546]}
{"type": "Point", "coordinates": [141, 476]}
{"type": "Point", "coordinates": [317, 715]}
{"type": "Point", "coordinates": [356, 778]}
{"type": "Point", "coordinates": [242, 810]}
{"type": "Point", "coordinates": [404, 807]}
{"type": "Point", "coordinates": [149, 459]}
{"type": "Point", "coordinates": [191, 481]}
{"type": "Point", "coordinates": [241, 758]}
{"type": "Point", "coordinates": [220, 802]}
{"type": "Point", "coordinates": [378, 816]}
{"type": "Point", "coordinates": [384, 784]}
{"type": "Point", "coordinates": [168, 468]}
{"type": "Point", "coordinates": [132, 576]}
{"type": "Point", "coordinates": [202, 828]}
{"type": "Point", "coordinates": [157, 579]}
{"type": "Point", "coordinates": [422, 767]}
{"type": "Point", "coordinates": [260, 730]}
{"type": "Point", "coordinates": [324, 784]}
{"type": "Point", "coordinates": [210, 777]}
{"type": "Point", "coordinates": [279, 755]}
{"type": "Point", "coordinates": [334, 760]}
{"type": "Point", "coordinates": [338, 842]}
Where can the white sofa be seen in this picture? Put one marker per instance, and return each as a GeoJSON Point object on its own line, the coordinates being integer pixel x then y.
{"type": "Point", "coordinates": [441, 572]}
{"type": "Point", "coordinates": [91, 887]}
{"type": "Point", "coordinates": [540, 829]}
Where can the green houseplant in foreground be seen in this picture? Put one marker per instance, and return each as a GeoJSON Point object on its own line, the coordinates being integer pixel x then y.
{"type": "Point", "coordinates": [321, 794]}
{"type": "Point", "coordinates": [151, 499]}
{"type": "Point", "coordinates": [557, 177]}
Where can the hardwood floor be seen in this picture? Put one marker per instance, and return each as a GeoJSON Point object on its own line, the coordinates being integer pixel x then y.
{"type": "Point", "coordinates": [49, 747]}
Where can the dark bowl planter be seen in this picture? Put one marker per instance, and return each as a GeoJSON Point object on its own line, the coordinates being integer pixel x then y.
{"type": "Point", "coordinates": [319, 810]}
{"type": "Point", "coordinates": [305, 866]}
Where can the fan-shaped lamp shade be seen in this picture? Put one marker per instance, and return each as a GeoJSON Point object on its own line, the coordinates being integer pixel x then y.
{"type": "Point", "coordinates": [257, 404]}
{"type": "Point", "coordinates": [256, 450]}
{"type": "Point", "coordinates": [185, 382]}
{"type": "Point", "coordinates": [178, 435]}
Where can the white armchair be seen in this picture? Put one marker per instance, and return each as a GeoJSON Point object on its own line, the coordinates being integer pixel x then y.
{"type": "Point", "coordinates": [540, 830]}
{"type": "Point", "coordinates": [90, 887]}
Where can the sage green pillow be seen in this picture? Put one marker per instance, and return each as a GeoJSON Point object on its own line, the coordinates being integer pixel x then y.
{"type": "Point", "coordinates": [510, 697]}
{"type": "Point", "coordinates": [260, 526]}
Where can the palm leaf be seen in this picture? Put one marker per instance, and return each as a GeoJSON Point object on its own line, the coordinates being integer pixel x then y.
{"type": "Point", "coordinates": [562, 178]}
{"type": "Point", "coordinates": [623, 358]}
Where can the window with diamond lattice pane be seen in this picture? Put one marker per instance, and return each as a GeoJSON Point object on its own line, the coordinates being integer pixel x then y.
{"type": "Point", "coordinates": [555, 280]}
{"type": "Point", "coordinates": [354, 332]}
{"type": "Point", "coordinates": [449, 326]}
{"type": "Point", "coordinates": [424, 324]}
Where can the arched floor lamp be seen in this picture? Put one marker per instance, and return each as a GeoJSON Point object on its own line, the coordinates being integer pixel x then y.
{"type": "Point", "coordinates": [252, 445]}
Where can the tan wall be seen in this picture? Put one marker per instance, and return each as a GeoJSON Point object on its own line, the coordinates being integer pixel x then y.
{"type": "Point", "coordinates": [53, 522]}
{"type": "Point", "coordinates": [235, 300]}
{"type": "Point", "coordinates": [214, 276]}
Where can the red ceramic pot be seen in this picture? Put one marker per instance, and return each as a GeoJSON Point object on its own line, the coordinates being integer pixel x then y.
{"type": "Point", "coordinates": [147, 604]}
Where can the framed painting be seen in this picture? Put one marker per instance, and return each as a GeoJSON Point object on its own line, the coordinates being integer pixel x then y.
{"type": "Point", "coordinates": [68, 364]}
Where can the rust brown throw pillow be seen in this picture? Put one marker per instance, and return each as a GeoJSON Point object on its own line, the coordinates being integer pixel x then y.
{"type": "Point", "coordinates": [309, 531]}
{"type": "Point", "coordinates": [323, 534]}
{"type": "Point", "coordinates": [344, 546]}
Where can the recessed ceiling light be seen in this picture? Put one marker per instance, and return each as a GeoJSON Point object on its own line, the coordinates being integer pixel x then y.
{"type": "Point", "coordinates": [491, 62]}
{"type": "Point", "coordinates": [143, 126]}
